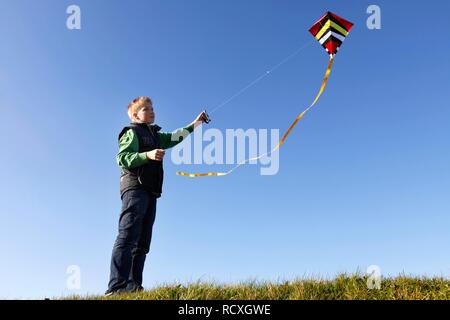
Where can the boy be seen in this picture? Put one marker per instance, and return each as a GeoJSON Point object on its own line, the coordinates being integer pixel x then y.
{"type": "Point", "coordinates": [141, 151]}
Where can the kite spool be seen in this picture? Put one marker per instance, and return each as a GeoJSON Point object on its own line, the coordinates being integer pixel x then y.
{"type": "Point", "coordinates": [207, 119]}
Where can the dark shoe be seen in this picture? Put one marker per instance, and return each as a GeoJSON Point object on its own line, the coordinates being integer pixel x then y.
{"type": "Point", "coordinates": [133, 287]}
{"type": "Point", "coordinates": [110, 293]}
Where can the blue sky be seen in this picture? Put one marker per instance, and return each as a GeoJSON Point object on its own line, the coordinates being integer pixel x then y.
{"type": "Point", "coordinates": [363, 178]}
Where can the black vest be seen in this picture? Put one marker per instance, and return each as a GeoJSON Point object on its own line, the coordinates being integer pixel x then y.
{"type": "Point", "coordinates": [149, 176]}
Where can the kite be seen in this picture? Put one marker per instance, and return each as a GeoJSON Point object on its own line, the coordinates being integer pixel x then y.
{"type": "Point", "coordinates": [330, 30]}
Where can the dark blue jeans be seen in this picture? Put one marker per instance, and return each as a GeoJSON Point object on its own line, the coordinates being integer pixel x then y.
{"type": "Point", "coordinates": [133, 241]}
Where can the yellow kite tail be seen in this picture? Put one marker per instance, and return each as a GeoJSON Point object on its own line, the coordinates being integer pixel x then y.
{"type": "Point", "coordinates": [217, 174]}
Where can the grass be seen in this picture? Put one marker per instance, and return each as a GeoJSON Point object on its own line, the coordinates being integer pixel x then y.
{"type": "Point", "coordinates": [342, 287]}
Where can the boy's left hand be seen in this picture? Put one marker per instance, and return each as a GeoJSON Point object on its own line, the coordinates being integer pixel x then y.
{"type": "Point", "coordinates": [202, 117]}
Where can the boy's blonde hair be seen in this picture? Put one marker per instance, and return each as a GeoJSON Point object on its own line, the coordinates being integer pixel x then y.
{"type": "Point", "coordinates": [137, 104]}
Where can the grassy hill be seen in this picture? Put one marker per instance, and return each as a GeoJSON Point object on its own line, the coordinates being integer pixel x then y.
{"type": "Point", "coordinates": [343, 287]}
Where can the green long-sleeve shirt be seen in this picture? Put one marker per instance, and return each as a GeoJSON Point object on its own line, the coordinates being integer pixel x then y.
{"type": "Point", "coordinates": [129, 156]}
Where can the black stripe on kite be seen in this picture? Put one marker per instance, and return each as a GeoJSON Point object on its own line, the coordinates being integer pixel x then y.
{"type": "Point", "coordinates": [334, 30]}
{"type": "Point", "coordinates": [331, 16]}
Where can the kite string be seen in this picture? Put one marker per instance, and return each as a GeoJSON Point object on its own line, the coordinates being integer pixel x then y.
{"type": "Point", "coordinates": [322, 87]}
{"type": "Point", "coordinates": [259, 78]}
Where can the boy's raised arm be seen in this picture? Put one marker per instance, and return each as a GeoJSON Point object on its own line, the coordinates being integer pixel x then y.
{"type": "Point", "coordinates": [171, 139]}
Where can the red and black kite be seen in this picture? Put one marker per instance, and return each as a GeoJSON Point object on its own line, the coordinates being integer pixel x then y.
{"type": "Point", "coordinates": [330, 30]}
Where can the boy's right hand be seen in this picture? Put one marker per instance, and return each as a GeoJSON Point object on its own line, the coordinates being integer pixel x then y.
{"type": "Point", "coordinates": [156, 154]}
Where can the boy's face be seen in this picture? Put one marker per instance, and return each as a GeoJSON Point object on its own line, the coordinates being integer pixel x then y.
{"type": "Point", "coordinates": [146, 114]}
